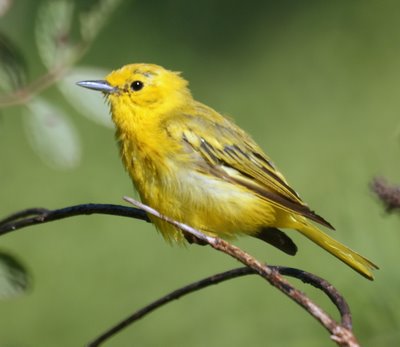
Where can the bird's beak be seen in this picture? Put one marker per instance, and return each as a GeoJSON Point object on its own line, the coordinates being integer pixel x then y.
{"type": "Point", "coordinates": [100, 85]}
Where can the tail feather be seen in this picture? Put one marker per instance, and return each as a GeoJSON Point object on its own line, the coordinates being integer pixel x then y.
{"type": "Point", "coordinates": [356, 261]}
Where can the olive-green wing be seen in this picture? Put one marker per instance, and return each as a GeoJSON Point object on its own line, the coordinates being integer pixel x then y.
{"type": "Point", "coordinates": [228, 152]}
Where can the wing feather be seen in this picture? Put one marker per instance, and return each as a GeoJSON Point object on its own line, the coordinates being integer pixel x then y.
{"type": "Point", "coordinates": [231, 154]}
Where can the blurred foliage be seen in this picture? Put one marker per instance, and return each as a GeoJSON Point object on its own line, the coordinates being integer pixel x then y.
{"type": "Point", "coordinates": [12, 67]}
{"type": "Point", "coordinates": [317, 85]}
{"type": "Point", "coordinates": [50, 134]}
{"type": "Point", "coordinates": [14, 278]}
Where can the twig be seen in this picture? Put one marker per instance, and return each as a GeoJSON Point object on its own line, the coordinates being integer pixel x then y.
{"type": "Point", "coordinates": [341, 335]}
{"type": "Point", "coordinates": [306, 277]}
{"type": "Point", "coordinates": [35, 216]}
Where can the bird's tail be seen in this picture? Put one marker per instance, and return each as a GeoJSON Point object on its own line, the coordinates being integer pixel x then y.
{"type": "Point", "coordinates": [353, 259]}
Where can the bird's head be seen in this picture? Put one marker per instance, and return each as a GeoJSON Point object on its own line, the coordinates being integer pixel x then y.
{"type": "Point", "coordinates": [142, 88]}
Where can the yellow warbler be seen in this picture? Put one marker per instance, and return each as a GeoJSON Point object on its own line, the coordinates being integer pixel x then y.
{"type": "Point", "coordinates": [194, 165]}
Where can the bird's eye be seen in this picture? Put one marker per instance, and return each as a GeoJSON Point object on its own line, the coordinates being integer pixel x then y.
{"type": "Point", "coordinates": [137, 85]}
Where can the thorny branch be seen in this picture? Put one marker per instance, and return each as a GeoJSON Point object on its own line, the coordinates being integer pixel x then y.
{"type": "Point", "coordinates": [341, 333]}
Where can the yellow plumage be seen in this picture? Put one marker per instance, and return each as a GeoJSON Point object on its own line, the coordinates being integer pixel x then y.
{"type": "Point", "coordinates": [198, 167]}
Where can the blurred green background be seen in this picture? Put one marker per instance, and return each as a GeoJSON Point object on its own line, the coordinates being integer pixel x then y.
{"type": "Point", "coordinates": [315, 83]}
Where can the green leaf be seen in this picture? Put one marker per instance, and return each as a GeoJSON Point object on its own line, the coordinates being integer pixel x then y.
{"type": "Point", "coordinates": [94, 19]}
{"type": "Point", "coordinates": [52, 135]}
{"type": "Point", "coordinates": [53, 37]}
{"type": "Point", "coordinates": [12, 66]}
{"type": "Point", "coordinates": [89, 104]}
{"type": "Point", "coordinates": [14, 279]}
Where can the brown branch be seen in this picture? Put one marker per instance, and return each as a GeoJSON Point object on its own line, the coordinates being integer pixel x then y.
{"type": "Point", "coordinates": [340, 334]}
{"type": "Point", "coordinates": [388, 194]}
{"type": "Point", "coordinates": [306, 277]}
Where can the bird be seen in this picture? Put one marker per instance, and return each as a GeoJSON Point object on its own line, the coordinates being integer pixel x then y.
{"type": "Point", "coordinates": [200, 168]}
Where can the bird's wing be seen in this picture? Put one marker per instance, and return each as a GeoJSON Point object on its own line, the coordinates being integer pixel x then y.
{"type": "Point", "coordinates": [228, 152]}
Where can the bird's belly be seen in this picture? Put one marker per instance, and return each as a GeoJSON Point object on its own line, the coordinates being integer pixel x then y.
{"type": "Point", "coordinates": [212, 205]}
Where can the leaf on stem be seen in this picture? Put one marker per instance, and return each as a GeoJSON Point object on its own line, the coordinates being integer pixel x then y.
{"type": "Point", "coordinates": [51, 134]}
